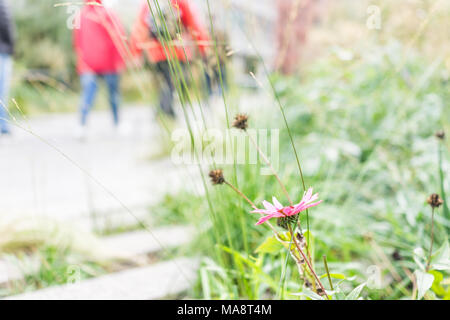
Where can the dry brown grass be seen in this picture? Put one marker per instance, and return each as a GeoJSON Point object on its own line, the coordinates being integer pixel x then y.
{"type": "Point", "coordinates": [422, 25]}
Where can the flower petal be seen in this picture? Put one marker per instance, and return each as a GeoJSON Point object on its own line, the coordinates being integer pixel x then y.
{"type": "Point", "coordinates": [302, 207]}
{"type": "Point", "coordinates": [261, 211]}
{"type": "Point", "coordinates": [264, 219]}
{"type": "Point", "coordinates": [312, 205]}
{"type": "Point", "coordinates": [308, 195]}
{"type": "Point", "coordinates": [277, 204]}
{"type": "Point", "coordinates": [301, 203]}
{"type": "Point", "coordinates": [269, 206]}
{"type": "Point", "coordinates": [307, 198]}
{"type": "Point", "coordinates": [313, 198]}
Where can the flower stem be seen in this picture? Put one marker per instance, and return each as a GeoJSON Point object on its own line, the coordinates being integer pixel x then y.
{"type": "Point", "coordinates": [239, 192]}
{"type": "Point", "coordinates": [328, 271]}
{"type": "Point", "coordinates": [308, 263]}
{"type": "Point", "coordinates": [432, 240]}
{"type": "Point", "coordinates": [442, 179]}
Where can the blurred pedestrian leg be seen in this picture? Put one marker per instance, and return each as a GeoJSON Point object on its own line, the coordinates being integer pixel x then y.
{"type": "Point", "coordinates": [213, 79]}
{"type": "Point", "coordinates": [113, 83]}
{"type": "Point", "coordinates": [5, 76]}
{"type": "Point", "coordinates": [6, 52]}
{"type": "Point", "coordinates": [89, 87]}
{"type": "Point", "coordinates": [167, 88]}
{"type": "Point", "coordinates": [171, 31]}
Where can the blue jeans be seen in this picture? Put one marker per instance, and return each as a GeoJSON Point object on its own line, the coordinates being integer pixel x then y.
{"type": "Point", "coordinates": [5, 78]}
{"type": "Point", "coordinates": [89, 87]}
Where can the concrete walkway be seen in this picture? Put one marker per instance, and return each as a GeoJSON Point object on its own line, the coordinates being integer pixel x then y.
{"type": "Point", "coordinates": [130, 247]}
{"type": "Point", "coordinates": [156, 281]}
{"type": "Point", "coordinates": [50, 173]}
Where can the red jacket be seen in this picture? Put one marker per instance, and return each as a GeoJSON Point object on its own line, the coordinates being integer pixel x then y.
{"type": "Point", "coordinates": [194, 34]}
{"type": "Point", "coordinates": [99, 42]}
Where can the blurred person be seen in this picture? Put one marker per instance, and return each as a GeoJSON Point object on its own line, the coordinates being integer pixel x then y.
{"type": "Point", "coordinates": [100, 49]}
{"type": "Point", "coordinates": [6, 52]}
{"type": "Point", "coordinates": [176, 15]}
{"type": "Point", "coordinates": [294, 21]}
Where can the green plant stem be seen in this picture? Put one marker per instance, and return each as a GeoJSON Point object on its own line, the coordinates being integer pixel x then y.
{"type": "Point", "coordinates": [328, 271]}
{"type": "Point", "coordinates": [280, 105]}
{"type": "Point", "coordinates": [226, 109]}
{"type": "Point", "coordinates": [308, 263]}
{"type": "Point", "coordinates": [432, 240]}
{"type": "Point", "coordinates": [239, 192]}
{"type": "Point", "coordinates": [175, 71]}
{"type": "Point", "coordinates": [441, 180]}
{"type": "Point", "coordinates": [277, 98]}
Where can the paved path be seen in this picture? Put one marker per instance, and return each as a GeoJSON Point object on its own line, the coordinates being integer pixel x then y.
{"type": "Point", "coordinates": [127, 247]}
{"type": "Point", "coordinates": [153, 282]}
{"type": "Point", "coordinates": [38, 181]}
{"type": "Point", "coordinates": [131, 245]}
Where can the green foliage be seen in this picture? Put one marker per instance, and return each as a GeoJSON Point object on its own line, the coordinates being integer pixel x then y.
{"type": "Point", "coordinates": [355, 294]}
{"type": "Point", "coordinates": [366, 143]}
{"type": "Point", "coordinates": [271, 245]}
{"type": "Point", "coordinates": [52, 265]}
{"type": "Point", "coordinates": [424, 282]}
{"type": "Point", "coordinates": [43, 43]}
{"type": "Point", "coordinates": [59, 266]}
{"type": "Point", "coordinates": [172, 213]}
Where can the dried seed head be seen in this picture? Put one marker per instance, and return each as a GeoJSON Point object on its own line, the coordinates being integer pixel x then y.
{"type": "Point", "coordinates": [435, 200]}
{"type": "Point", "coordinates": [320, 292]}
{"type": "Point", "coordinates": [440, 134]}
{"type": "Point", "coordinates": [217, 177]}
{"type": "Point", "coordinates": [301, 240]}
{"type": "Point", "coordinates": [396, 255]}
{"type": "Point", "coordinates": [241, 121]}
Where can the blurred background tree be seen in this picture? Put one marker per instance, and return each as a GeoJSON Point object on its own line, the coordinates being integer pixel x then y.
{"type": "Point", "coordinates": [44, 41]}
